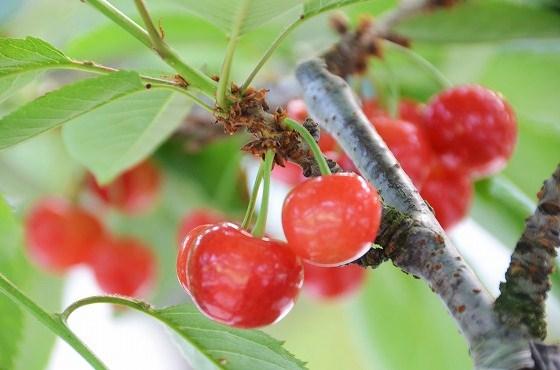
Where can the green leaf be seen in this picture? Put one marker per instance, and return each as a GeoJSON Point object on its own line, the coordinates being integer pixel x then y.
{"type": "Point", "coordinates": [215, 346]}
{"type": "Point", "coordinates": [123, 131]}
{"type": "Point", "coordinates": [239, 16]}
{"type": "Point", "coordinates": [65, 104]}
{"type": "Point", "coordinates": [483, 21]}
{"type": "Point", "coordinates": [11, 263]}
{"type": "Point", "coordinates": [397, 313]}
{"type": "Point", "coordinates": [22, 59]}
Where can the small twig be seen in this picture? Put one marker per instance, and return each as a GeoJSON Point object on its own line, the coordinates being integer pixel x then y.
{"type": "Point", "coordinates": [523, 294]}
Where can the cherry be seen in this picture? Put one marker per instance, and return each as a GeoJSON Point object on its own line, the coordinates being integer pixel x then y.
{"type": "Point", "coordinates": [331, 220]}
{"type": "Point", "coordinates": [291, 174]}
{"type": "Point", "coordinates": [195, 218]}
{"type": "Point", "coordinates": [60, 235]}
{"type": "Point", "coordinates": [333, 282]}
{"type": "Point", "coordinates": [297, 110]}
{"type": "Point", "coordinates": [411, 111]}
{"type": "Point", "coordinates": [409, 145]}
{"type": "Point", "coordinates": [123, 266]}
{"type": "Point", "coordinates": [134, 191]}
{"type": "Point", "coordinates": [239, 280]}
{"type": "Point", "coordinates": [408, 110]}
{"type": "Point", "coordinates": [474, 124]}
{"type": "Point", "coordinates": [449, 192]}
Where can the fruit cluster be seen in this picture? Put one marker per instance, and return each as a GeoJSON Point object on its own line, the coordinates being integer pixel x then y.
{"type": "Point", "coordinates": [61, 234]}
{"type": "Point", "coordinates": [461, 134]}
{"type": "Point", "coordinates": [245, 281]}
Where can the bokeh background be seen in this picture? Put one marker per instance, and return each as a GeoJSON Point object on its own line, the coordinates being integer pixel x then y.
{"type": "Point", "coordinates": [394, 322]}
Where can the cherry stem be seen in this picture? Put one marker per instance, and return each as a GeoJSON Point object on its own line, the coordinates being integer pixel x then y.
{"type": "Point", "coordinates": [260, 224]}
{"type": "Point", "coordinates": [253, 200]}
{"type": "Point", "coordinates": [310, 141]}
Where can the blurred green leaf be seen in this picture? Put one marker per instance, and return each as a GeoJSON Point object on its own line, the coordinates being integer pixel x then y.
{"type": "Point", "coordinates": [22, 59]}
{"type": "Point", "coordinates": [216, 168]}
{"type": "Point", "coordinates": [122, 132]}
{"type": "Point", "coordinates": [241, 16]}
{"type": "Point", "coordinates": [483, 21]}
{"type": "Point", "coordinates": [60, 106]}
{"type": "Point", "coordinates": [21, 334]}
{"type": "Point", "coordinates": [12, 265]}
{"type": "Point", "coordinates": [215, 346]}
{"type": "Point", "coordinates": [403, 325]}
{"type": "Point", "coordinates": [314, 7]}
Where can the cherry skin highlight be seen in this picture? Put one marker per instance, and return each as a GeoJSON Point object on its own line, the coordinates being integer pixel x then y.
{"type": "Point", "coordinates": [449, 192]}
{"type": "Point", "coordinates": [195, 218]}
{"type": "Point", "coordinates": [474, 124]}
{"type": "Point", "coordinates": [60, 235]}
{"type": "Point", "coordinates": [185, 249]}
{"type": "Point", "coordinates": [409, 145]}
{"type": "Point", "coordinates": [331, 220]}
{"type": "Point", "coordinates": [133, 192]}
{"type": "Point", "coordinates": [333, 282]}
{"type": "Point", "coordinates": [124, 266]}
{"type": "Point", "coordinates": [242, 281]}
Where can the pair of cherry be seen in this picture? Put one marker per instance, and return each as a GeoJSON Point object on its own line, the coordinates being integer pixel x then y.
{"type": "Point", "coordinates": [244, 281]}
{"type": "Point", "coordinates": [61, 234]}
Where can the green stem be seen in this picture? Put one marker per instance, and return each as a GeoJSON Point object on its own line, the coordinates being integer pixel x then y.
{"type": "Point", "coordinates": [137, 305]}
{"type": "Point", "coordinates": [310, 141]}
{"type": "Point", "coordinates": [260, 225]}
{"type": "Point", "coordinates": [417, 59]}
{"type": "Point", "coordinates": [269, 53]}
{"type": "Point", "coordinates": [154, 81]}
{"type": "Point", "coordinates": [53, 322]}
{"type": "Point", "coordinates": [223, 84]}
{"type": "Point", "coordinates": [253, 200]}
{"type": "Point", "coordinates": [194, 77]}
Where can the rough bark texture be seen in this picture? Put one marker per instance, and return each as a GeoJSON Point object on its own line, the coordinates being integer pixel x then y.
{"type": "Point", "coordinates": [528, 277]}
{"type": "Point", "coordinates": [410, 235]}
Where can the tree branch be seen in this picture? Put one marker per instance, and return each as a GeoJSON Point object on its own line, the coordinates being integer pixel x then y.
{"type": "Point", "coordinates": [528, 277]}
{"type": "Point", "coordinates": [410, 235]}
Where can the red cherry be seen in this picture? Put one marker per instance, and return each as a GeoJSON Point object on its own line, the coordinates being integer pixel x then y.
{"type": "Point", "coordinates": [60, 235]}
{"type": "Point", "coordinates": [331, 220]}
{"type": "Point", "coordinates": [474, 124]}
{"type": "Point", "coordinates": [291, 174]}
{"type": "Point", "coordinates": [411, 111]}
{"type": "Point", "coordinates": [195, 218]}
{"type": "Point", "coordinates": [408, 110]}
{"type": "Point", "coordinates": [297, 110]}
{"type": "Point", "coordinates": [333, 282]}
{"type": "Point", "coordinates": [449, 192]}
{"type": "Point", "coordinates": [372, 108]}
{"type": "Point", "coordinates": [134, 191]}
{"type": "Point", "coordinates": [123, 266]}
{"type": "Point", "coordinates": [239, 280]}
{"type": "Point", "coordinates": [409, 145]}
